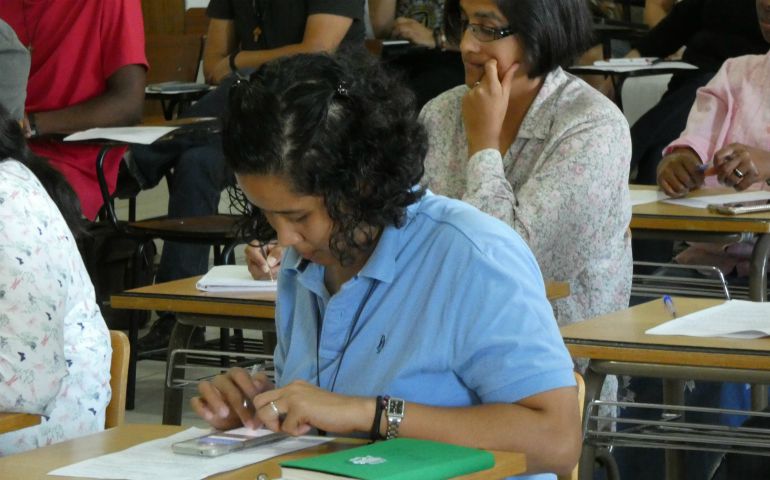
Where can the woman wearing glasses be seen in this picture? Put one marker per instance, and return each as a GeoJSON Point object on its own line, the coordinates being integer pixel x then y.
{"type": "Point", "coordinates": [536, 147]}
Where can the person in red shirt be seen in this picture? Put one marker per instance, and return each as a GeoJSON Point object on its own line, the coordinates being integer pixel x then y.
{"type": "Point", "coordinates": [88, 70]}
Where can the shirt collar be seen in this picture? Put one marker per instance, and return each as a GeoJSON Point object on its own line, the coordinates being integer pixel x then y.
{"type": "Point", "coordinates": [537, 122]}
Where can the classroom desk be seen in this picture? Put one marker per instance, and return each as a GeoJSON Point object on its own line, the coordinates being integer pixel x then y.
{"type": "Point", "coordinates": [194, 308]}
{"type": "Point", "coordinates": [618, 77]}
{"type": "Point", "coordinates": [616, 344]}
{"type": "Point", "coordinates": [662, 221]}
{"type": "Point", "coordinates": [37, 463]}
{"type": "Point", "coordinates": [10, 422]}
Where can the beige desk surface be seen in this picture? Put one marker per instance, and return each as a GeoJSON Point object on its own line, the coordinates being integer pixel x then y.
{"type": "Point", "coordinates": [664, 216]}
{"type": "Point", "coordinates": [37, 463]}
{"type": "Point", "coordinates": [181, 296]}
{"type": "Point", "coordinates": [620, 336]}
{"type": "Point", "coordinates": [10, 422]}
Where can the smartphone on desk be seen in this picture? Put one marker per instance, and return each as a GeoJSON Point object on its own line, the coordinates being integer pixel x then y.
{"type": "Point", "coordinates": [219, 443]}
{"type": "Point", "coordinates": [737, 208]}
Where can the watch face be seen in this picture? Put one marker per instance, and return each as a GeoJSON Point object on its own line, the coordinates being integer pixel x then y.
{"type": "Point", "coordinates": [395, 407]}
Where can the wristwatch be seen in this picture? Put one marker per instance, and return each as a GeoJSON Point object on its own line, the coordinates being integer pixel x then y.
{"type": "Point", "coordinates": [394, 412]}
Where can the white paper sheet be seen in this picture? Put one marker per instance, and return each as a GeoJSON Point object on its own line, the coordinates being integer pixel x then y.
{"type": "Point", "coordinates": [733, 319]}
{"type": "Point", "coordinates": [136, 135]}
{"type": "Point", "coordinates": [639, 197]}
{"type": "Point", "coordinates": [703, 202]}
{"type": "Point", "coordinates": [233, 278]}
{"type": "Point", "coordinates": [154, 460]}
{"type": "Point", "coordinates": [623, 68]}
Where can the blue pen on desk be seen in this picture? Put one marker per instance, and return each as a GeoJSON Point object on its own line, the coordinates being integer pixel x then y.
{"type": "Point", "coordinates": [669, 304]}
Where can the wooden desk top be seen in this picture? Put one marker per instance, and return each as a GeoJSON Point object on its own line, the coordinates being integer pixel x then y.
{"type": "Point", "coordinates": [620, 336]}
{"type": "Point", "coordinates": [664, 216]}
{"type": "Point", "coordinates": [37, 463]}
{"type": "Point", "coordinates": [10, 422]}
{"type": "Point", "coordinates": [181, 296]}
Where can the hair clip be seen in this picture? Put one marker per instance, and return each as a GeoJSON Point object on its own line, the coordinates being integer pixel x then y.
{"type": "Point", "coordinates": [342, 88]}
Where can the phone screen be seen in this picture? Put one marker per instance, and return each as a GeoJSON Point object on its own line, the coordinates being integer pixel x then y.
{"type": "Point", "coordinates": [220, 443]}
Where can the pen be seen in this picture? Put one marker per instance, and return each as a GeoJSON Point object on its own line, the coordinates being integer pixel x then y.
{"type": "Point", "coordinates": [669, 303]}
{"type": "Point", "coordinates": [264, 254]}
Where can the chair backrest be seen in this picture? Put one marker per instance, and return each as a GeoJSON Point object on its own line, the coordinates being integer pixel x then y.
{"type": "Point", "coordinates": [116, 409]}
{"type": "Point", "coordinates": [581, 386]}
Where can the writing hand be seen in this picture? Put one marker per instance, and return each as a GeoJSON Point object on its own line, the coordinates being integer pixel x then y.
{"type": "Point", "coordinates": [264, 261]}
{"type": "Point", "coordinates": [680, 172]}
{"type": "Point", "coordinates": [739, 166]}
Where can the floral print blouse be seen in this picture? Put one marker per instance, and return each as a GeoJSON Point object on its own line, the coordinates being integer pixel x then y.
{"type": "Point", "coordinates": [54, 346]}
{"type": "Point", "coordinates": [562, 185]}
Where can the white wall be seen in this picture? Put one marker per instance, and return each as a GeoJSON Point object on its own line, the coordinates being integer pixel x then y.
{"type": "Point", "coordinates": [196, 3]}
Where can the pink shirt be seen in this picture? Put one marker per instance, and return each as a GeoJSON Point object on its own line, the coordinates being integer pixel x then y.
{"type": "Point", "coordinates": [76, 46]}
{"type": "Point", "coordinates": [733, 107]}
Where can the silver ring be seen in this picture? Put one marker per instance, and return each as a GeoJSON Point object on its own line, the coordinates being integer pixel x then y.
{"type": "Point", "coordinates": [275, 409]}
{"type": "Point", "coordinates": [245, 403]}
{"type": "Point", "coordinates": [478, 82]}
{"type": "Point", "coordinates": [738, 173]}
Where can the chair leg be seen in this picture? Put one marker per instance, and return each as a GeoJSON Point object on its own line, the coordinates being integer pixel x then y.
{"type": "Point", "coordinates": [133, 337]}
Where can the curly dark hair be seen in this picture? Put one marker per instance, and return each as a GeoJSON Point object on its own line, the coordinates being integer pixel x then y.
{"type": "Point", "coordinates": [335, 126]}
{"type": "Point", "coordinates": [554, 32]}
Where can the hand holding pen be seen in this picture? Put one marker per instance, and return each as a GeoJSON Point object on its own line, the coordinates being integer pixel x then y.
{"type": "Point", "coordinates": [263, 260]}
{"type": "Point", "coordinates": [681, 171]}
{"type": "Point", "coordinates": [739, 166]}
{"type": "Point", "coordinates": [668, 302]}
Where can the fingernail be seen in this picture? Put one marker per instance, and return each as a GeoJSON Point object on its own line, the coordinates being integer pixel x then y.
{"type": "Point", "coordinates": [266, 268]}
{"type": "Point", "coordinates": [272, 261]}
{"type": "Point", "coordinates": [224, 412]}
{"type": "Point", "coordinates": [208, 416]}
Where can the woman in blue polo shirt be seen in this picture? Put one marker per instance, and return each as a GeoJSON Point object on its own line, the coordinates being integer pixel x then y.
{"type": "Point", "coordinates": [389, 298]}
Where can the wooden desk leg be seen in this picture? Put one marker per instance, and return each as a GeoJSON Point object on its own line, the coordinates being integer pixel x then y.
{"type": "Point", "coordinates": [758, 272]}
{"type": "Point", "coordinates": [181, 336]}
{"type": "Point", "coordinates": [594, 382]}
{"type": "Point", "coordinates": [673, 394]}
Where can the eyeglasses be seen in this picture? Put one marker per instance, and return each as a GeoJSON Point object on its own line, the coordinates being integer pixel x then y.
{"type": "Point", "coordinates": [486, 34]}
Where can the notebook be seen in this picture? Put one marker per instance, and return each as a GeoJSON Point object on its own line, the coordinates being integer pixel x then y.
{"type": "Point", "coordinates": [398, 459]}
{"type": "Point", "coordinates": [233, 278]}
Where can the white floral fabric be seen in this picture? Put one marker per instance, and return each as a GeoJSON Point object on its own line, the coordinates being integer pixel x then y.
{"type": "Point", "coordinates": [562, 185]}
{"type": "Point", "coordinates": [54, 346]}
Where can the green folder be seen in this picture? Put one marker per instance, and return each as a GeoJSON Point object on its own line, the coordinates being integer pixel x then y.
{"type": "Point", "coordinates": [398, 459]}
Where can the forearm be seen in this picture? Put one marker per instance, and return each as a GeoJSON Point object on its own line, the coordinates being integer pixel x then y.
{"type": "Point", "coordinates": [487, 188]}
{"type": "Point", "coordinates": [120, 104]}
{"type": "Point", "coordinates": [382, 13]}
{"type": "Point", "coordinates": [550, 438]}
{"type": "Point", "coordinates": [656, 10]}
{"type": "Point", "coordinates": [103, 111]}
{"type": "Point", "coordinates": [257, 58]}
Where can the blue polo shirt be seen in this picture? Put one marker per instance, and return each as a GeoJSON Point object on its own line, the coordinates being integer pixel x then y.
{"type": "Point", "coordinates": [449, 310]}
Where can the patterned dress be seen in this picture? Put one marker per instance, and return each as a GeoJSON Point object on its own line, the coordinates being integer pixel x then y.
{"type": "Point", "coordinates": [563, 185]}
{"type": "Point", "coordinates": [54, 346]}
